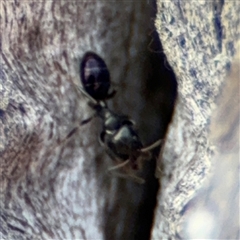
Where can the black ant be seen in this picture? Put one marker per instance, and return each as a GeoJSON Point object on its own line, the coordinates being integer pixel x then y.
{"type": "Point", "coordinates": [118, 135]}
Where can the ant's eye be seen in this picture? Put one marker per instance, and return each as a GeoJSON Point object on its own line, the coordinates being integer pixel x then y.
{"type": "Point", "coordinates": [95, 76]}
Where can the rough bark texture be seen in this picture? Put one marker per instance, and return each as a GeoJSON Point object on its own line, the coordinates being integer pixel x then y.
{"type": "Point", "coordinates": [54, 185]}
{"type": "Point", "coordinates": [200, 40]}
{"type": "Point", "coordinates": [213, 212]}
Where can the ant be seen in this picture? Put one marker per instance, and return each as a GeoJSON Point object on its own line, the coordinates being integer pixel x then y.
{"type": "Point", "coordinates": [118, 136]}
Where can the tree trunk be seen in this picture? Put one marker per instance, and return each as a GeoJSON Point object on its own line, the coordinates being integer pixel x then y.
{"type": "Point", "coordinates": [200, 40]}
{"type": "Point", "coordinates": [53, 172]}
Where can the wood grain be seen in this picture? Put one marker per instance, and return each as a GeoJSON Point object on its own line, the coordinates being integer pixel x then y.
{"type": "Point", "coordinates": [200, 40]}
{"type": "Point", "coordinates": [54, 186]}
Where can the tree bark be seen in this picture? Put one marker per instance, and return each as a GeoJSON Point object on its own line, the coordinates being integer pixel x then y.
{"type": "Point", "coordinates": [53, 179]}
{"type": "Point", "coordinates": [200, 40]}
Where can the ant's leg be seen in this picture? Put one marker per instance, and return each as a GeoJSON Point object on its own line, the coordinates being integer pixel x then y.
{"type": "Point", "coordinates": [74, 130]}
{"type": "Point", "coordinates": [101, 139]}
{"type": "Point", "coordinates": [118, 166]}
{"type": "Point", "coordinates": [154, 145]}
{"type": "Point", "coordinates": [137, 179]}
{"type": "Point", "coordinates": [86, 120]}
{"type": "Point", "coordinates": [80, 89]}
{"type": "Point", "coordinates": [126, 176]}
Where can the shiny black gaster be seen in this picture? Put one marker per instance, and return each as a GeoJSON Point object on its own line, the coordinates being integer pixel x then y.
{"type": "Point", "coordinates": [95, 76]}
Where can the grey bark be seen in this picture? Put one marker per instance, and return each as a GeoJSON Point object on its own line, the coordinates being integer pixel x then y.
{"type": "Point", "coordinates": [56, 187]}
{"type": "Point", "coordinates": [201, 41]}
